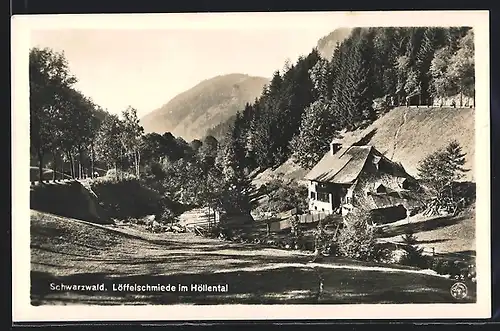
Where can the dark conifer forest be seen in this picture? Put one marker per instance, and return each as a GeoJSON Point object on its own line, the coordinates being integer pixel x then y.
{"type": "Point", "coordinates": [308, 102]}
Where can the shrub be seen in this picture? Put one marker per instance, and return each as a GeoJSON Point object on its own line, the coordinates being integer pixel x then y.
{"type": "Point", "coordinates": [324, 241]}
{"type": "Point", "coordinates": [117, 174]}
{"type": "Point", "coordinates": [397, 256]}
{"type": "Point", "coordinates": [357, 238]}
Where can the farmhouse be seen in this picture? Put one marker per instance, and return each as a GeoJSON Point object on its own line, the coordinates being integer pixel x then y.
{"type": "Point", "coordinates": [361, 177]}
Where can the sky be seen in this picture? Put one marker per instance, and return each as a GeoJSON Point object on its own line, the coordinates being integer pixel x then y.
{"type": "Point", "coordinates": [145, 68]}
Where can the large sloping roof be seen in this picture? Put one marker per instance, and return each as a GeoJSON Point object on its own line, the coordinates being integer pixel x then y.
{"type": "Point", "coordinates": [385, 200]}
{"type": "Point", "coordinates": [341, 168]}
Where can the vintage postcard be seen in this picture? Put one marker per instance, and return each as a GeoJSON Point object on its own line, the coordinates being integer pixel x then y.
{"type": "Point", "coordinates": [315, 165]}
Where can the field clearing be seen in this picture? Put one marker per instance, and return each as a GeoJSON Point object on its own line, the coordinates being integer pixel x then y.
{"type": "Point", "coordinates": [69, 251]}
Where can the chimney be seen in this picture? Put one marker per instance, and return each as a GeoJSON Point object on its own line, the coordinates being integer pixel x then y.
{"type": "Point", "coordinates": [335, 146]}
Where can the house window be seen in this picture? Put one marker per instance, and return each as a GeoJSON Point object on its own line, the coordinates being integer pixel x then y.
{"type": "Point", "coordinates": [380, 188]}
{"type": "Point", "coordinates": [323, 197]}
{"type": "Point", "coordinates": [313, 195]}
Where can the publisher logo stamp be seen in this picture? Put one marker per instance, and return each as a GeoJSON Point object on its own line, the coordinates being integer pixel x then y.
{"type": "Point", "coordinates": [459, 291]}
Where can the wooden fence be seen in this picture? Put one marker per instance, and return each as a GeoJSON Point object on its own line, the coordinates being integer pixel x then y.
{"type": "Point", "coordinates": [282, 224]}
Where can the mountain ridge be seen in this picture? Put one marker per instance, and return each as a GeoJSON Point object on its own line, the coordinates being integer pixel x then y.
{"type": "Point", "coordinates": [212, 101]}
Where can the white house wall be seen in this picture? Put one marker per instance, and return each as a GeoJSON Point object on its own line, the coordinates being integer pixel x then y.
{"type": "Point", "coordinates": [316, 205]}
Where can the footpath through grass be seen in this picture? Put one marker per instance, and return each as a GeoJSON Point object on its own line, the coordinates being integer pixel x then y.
{"type": "Point", "coordinates": [68, 251]}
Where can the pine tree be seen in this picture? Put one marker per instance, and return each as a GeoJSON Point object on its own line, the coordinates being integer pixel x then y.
{"type": "Point", "coordinates": [321, 79]}
{"type": "Point", "coordinates": [261, 137]}
{"type": "Point", "coordinates": [423, 61]}
{"type": "Point", "coordinates": [316, 131]}
{"type": "Point", "coordinates": [413, 253]}
{"type": "Point", "coordinates": [359, 77]}
{"type": "Point", "coordinates": [339, 73]}
{"type": "Point", "coordinates": [439, 171]}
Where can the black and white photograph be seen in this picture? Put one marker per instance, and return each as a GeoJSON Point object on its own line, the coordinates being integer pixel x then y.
{"type": "Point", "coordinates": [313, 161]}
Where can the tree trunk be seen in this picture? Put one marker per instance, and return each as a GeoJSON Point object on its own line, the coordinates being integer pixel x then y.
{"type": "Point", "coordinates": [135, 163]}
{"type": "Point", "coordinates": [80, 156]}
{"type": "Point", "coordinates": [138, 164]}
{"type": "Point", "coordinates": [40, 165]}
{"type": "Point", "coordinates": [54, 166]}
{"type": "Point", "coordinates": [209, 219]}
{"type": "Point", "coordinates": [116, 171]}
{"type": "Point", "coordinates": [73, 166]}
{"type": "Point", "coordinates": [68, 156]}
{"type": "Point", "coordinates": [92, 160]}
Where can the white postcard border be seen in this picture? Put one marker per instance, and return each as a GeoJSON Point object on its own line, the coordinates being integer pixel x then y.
{"type": "Point", "coordinates": [24, 312]}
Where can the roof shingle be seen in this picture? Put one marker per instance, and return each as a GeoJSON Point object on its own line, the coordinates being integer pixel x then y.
{"type": "Point", "coordinates": [343, 167]}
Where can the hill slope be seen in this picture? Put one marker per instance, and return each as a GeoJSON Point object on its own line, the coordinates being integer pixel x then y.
{"type": "Point", "coordinates": [207, 104]}
{"type": "Point", "coordinates": [327, 44]}
{"type": "Point", "coordinates": [409, 134]}
{"type": "Point", "coordinates": [405, 135]}
{"type": "Point", "coordinates": [70, 251]}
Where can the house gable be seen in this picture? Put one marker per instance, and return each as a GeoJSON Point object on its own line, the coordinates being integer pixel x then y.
{"type": "Point", "coordinates": [341, 168]}
{"type": "Point", "coordinates": [360, 177]}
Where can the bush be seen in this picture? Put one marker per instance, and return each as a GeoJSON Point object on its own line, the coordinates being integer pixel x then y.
{"type": "Point", "coordinates": [118, 175]}
{"type": "Point", "coordinates": [357, 238]}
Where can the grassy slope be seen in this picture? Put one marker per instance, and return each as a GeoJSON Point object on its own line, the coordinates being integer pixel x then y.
{"type": "Point", "coordinates": [447, 235]}
{"type": "Point", "coordinates": [76, 252]}
{"type": "Point", "coordinates": [424, 131]}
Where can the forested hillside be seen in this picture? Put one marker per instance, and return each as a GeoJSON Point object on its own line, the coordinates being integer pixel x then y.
{"type": "Point", "coordinates": [372, 70]}
{"type": "Point", "coordinates": [303, 107]}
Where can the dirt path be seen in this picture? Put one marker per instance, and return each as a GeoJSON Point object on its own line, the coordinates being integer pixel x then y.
{"type": "Point", "coordinates": [396, 135]}
{"type": "Point", "coordinates": [74, 252]}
